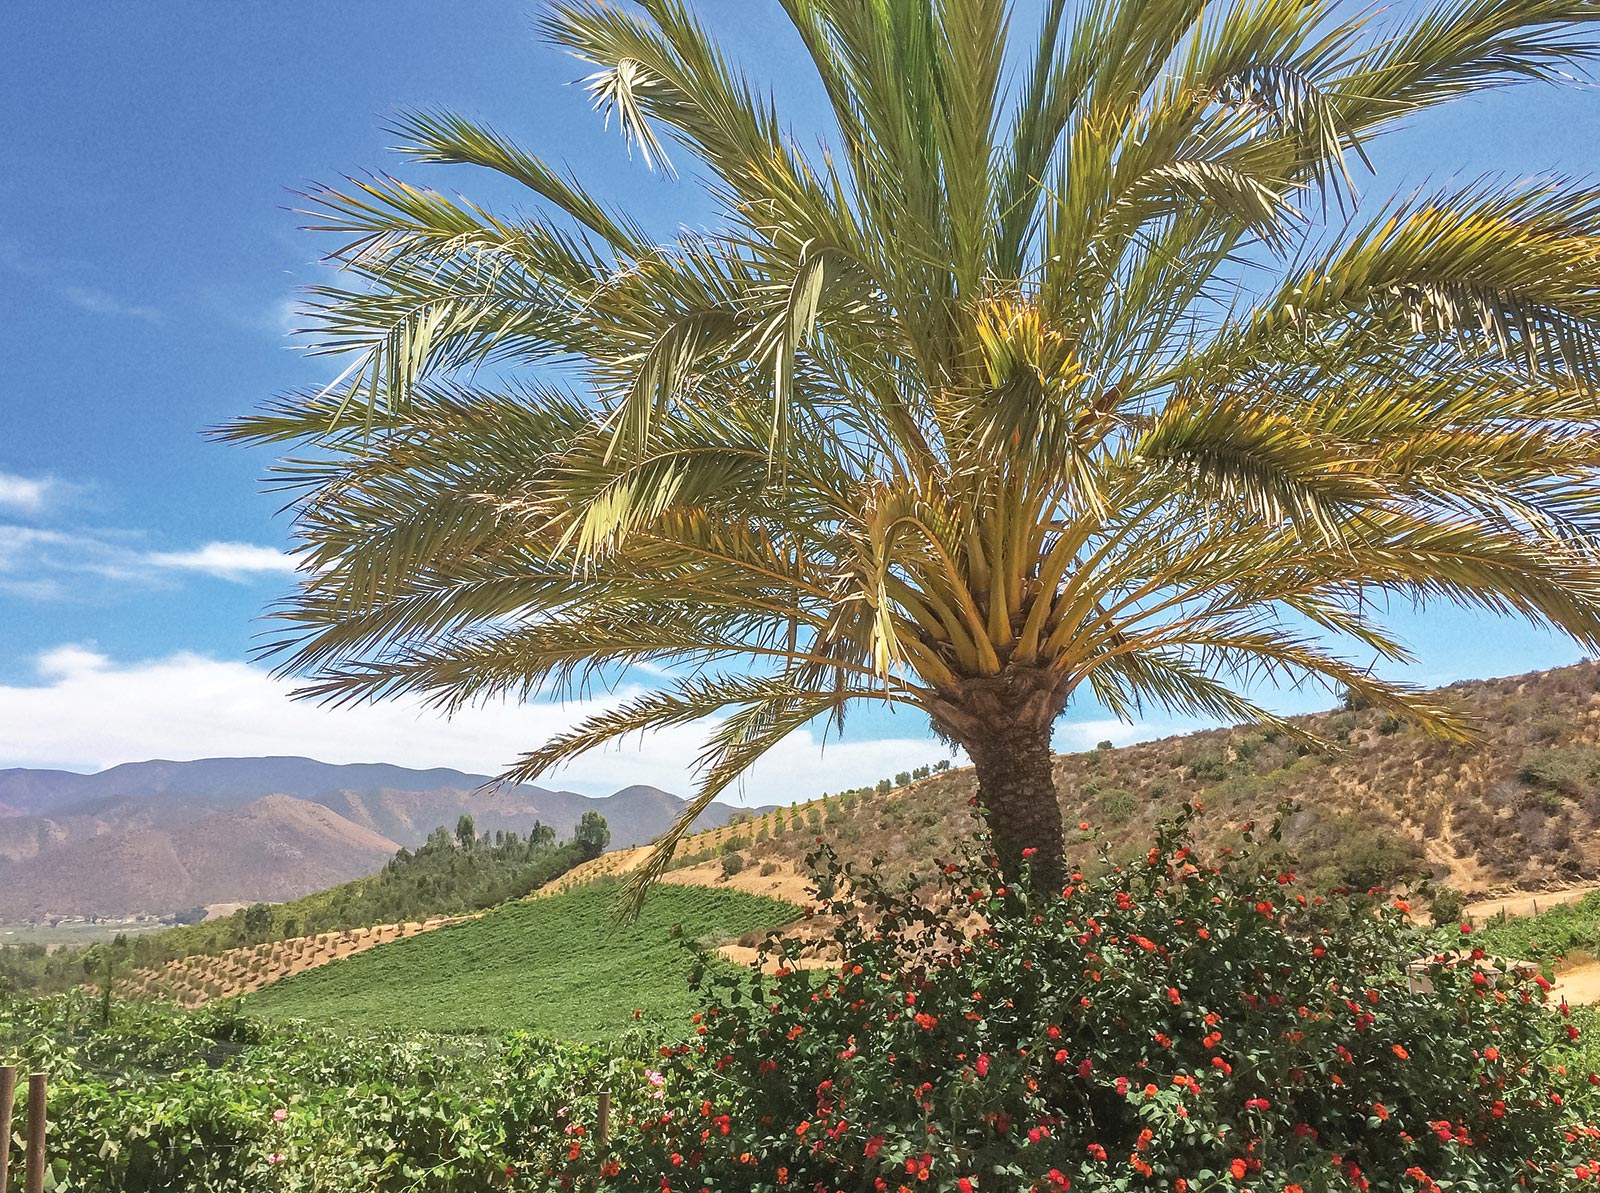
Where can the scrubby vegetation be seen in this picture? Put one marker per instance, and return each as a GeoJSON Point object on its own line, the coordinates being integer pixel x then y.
{"type": "Point", "coordinates": [560, 964]}
{"type": "Point", "coordinates": [1385, 805]}
{"type": "Point", "coordinates": [451, 872]}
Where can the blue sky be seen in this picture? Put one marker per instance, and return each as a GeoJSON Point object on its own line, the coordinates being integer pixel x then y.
{"type": "Point", "coordinates": [148, 266]}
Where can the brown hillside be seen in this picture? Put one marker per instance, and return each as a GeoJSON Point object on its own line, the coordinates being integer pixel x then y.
{"type": "Point", "coordinates": [274, 848]}
{"type": "Point", "coordinates": [1385, 804]}
{"type": "Point", "coordinates": [143, 837]}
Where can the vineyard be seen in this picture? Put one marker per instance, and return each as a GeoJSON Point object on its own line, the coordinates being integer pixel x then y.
{"type": "Point", "coordinates": [201, 978]}
{"type": "Point", "coordinates": [561, 965]}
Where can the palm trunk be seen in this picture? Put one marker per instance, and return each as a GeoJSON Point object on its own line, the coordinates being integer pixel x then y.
{"type": "Point", "coordinates": [1017, 792]}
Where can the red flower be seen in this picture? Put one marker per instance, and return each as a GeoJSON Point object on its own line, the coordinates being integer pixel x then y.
{"type": "Point", "coordinates": [965, 1185]}
{"type": "Point", "coordinates": [1173, 996]}
{"type": "Point", "coordinates": [874, 1146]}
{"type": "Point", "coordinates": [1238, 1168]}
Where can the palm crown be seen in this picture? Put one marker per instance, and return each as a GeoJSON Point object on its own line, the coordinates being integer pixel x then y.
{"type": "Point", "coordinates": [1067, 368]}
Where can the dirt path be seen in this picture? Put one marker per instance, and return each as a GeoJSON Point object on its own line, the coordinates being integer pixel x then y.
{"type": "Point", "coordinates": [1521, 903]}
{"type": "Point", "coordinates": [1579, 985]}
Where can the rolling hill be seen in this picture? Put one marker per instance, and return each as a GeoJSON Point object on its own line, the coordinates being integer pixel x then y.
{"type": "Point", "coordinates": [560, 965]}
{"type": "Point", "coordinates": [160, 837]}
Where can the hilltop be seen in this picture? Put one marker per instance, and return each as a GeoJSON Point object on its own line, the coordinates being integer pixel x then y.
{"type": "Point", "coordinates": [163, 837]}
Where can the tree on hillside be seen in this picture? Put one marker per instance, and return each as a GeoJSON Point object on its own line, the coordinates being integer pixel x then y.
{"type": "Point", "coordinates": [592, 835]}
{"type": "Point", "coordinates": [1063, 372]}
{"type": "Point", "coordinates": [466, 831]}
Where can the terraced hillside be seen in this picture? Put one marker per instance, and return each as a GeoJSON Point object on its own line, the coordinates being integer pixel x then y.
{"type": "Point", "coordinates": [202, 978]}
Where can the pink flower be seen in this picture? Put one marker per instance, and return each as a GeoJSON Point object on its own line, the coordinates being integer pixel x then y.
{"type": "Point", "coordinates": [279, 1115]}
{"type": "Point", "coordinates": [275, 1158]}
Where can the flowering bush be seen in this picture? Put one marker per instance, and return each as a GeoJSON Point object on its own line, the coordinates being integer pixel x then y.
{"type": "Point", "coordinates": [1176, 1025]}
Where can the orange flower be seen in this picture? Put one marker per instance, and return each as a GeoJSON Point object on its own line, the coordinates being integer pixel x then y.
{"type": "Point", "coordinates": [1400, 1052]}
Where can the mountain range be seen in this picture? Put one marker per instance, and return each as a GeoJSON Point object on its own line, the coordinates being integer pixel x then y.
{"type": "Point", "coordinates": [161, 837]}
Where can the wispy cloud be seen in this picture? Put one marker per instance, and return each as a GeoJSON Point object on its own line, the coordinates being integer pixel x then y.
{"type": "Point", "coordinates": [44, 564]}
{"type": "Point", "coordinates": [65, 279]}
{"type": "Point", "coordinates": [28, 495]}
{"type": "Point", "coordinates": [101, 302]}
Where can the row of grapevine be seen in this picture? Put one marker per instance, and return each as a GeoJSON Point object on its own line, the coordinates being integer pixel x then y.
{"type": "Point", "coordinates": [199, 979]}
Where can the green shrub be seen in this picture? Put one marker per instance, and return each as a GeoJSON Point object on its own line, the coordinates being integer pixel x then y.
{"type": "Point", "coordinates": [732, 863]}
{"type": "Point", "coordinates": [1448, 905]}
{"type": "Point", "coordinates": [1570, 770]}
{"type": "Point", "coordinates": [1208, 768]}
{"type": "Point", "coordinates": [1116, 805]}
{"type": "Point", "coordinates": [1550, 934]}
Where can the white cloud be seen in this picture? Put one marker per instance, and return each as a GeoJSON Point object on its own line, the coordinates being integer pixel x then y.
{"type": "Point", "coordinates": [42, 564]}
{"type": "Point", "coordinates": [87, 711]}
{"type": "Point", "coordinates": [227, 561]}
{"type": "Point", "coordinates": [1073, 736]}
{"type": "Point", "coordinates": [27, 494]}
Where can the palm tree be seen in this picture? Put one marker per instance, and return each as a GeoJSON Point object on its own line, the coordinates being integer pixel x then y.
{"type": "Point", "coordinates": [1068, 367]}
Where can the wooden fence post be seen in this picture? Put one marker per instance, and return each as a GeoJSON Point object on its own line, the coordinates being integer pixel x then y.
{"type": "Point", "coordinates": [8, 1094]}
{"type": "Point", "coordinates": [602, 1128]}
{"type": "Point", "coordinates": [34, 1173]}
